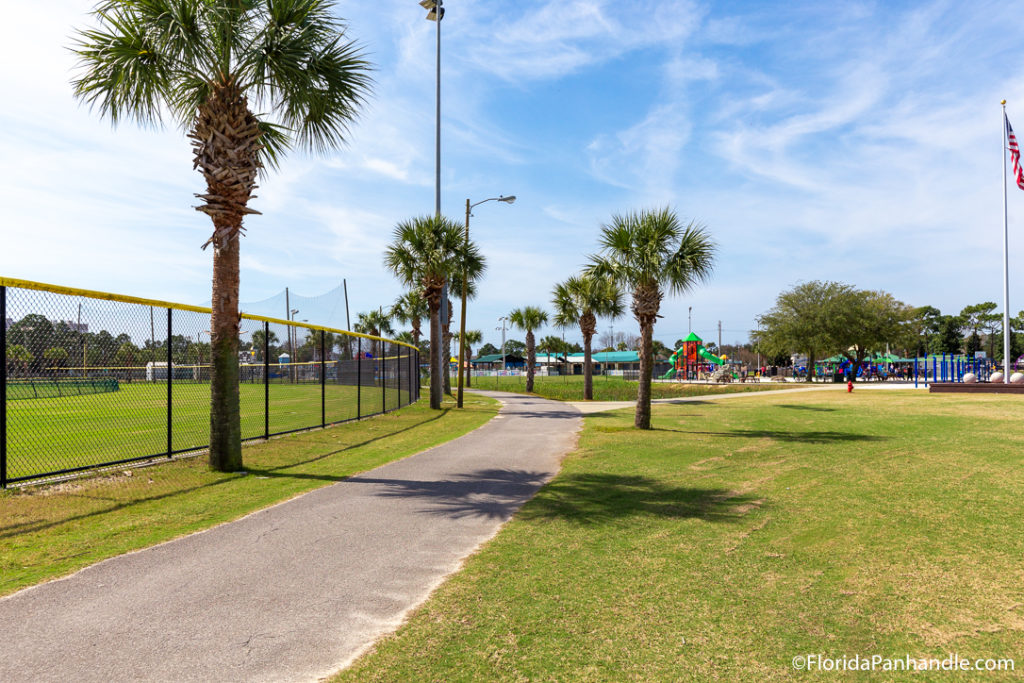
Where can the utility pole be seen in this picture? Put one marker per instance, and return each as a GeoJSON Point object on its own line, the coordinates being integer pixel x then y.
{"type": "Point", "coordinates": [689, 320]}
{"type": "Point", "coordinates": [348, 321]}
{"type": "Point", "coordinates": [719, 337]}
{"type": "Point", "coordinates": [503, 320]}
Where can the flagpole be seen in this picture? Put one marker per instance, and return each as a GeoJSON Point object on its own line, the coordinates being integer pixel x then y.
{"type": "Point", "coordinates": [1006, 267]}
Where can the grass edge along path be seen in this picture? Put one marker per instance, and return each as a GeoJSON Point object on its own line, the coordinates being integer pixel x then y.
{"type": "Point", "coordinates": [47, 532]}
{"type": "Point", "coordinates": [610, 388]}
{"type": "Point", "coordinates": [738, 535]}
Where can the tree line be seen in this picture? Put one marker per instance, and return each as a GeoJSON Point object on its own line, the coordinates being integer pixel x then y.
{"type": "Point", "coordinates": [822, 319]}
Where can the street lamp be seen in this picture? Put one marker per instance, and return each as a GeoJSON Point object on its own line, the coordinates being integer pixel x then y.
{"type": "Point", "coordinates": [502, 320]}
{"type": "Point", "coordinates": [436, 14]}
{"type": "Point", "coordinates": [462, 322]}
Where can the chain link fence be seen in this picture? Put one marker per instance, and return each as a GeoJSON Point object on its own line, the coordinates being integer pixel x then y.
{"type": "Point", "coordinates": [93, 380]}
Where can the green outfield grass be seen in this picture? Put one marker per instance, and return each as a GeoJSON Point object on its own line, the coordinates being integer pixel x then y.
{"type": "Point", "coordinates": [738, 535]}
{"type": "Point", "coordinates": [609, 388]}
{"type": "Point", "coordinates": [57, 433]}
{"type": "Point", "coordinates": [49, 531]}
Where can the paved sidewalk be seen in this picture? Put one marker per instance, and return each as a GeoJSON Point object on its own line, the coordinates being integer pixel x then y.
{"type": "Point", "coordinates": [296, 591]}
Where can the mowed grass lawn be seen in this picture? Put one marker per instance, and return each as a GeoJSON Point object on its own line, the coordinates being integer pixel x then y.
{"type": "Point", "coordinates": [51, 434]}
{"type": "Point", "coordinates": [49, 531]}
{"type": "Point", "coordinates": [610, 388]}
{"type": "Point", "coordinates": [740, 534]}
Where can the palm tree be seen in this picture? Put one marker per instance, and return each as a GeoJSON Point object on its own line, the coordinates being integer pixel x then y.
{"type": "Point", "coordinates": [579, 301]}
{"type": "Point", "coordinates": [473, 337]}
{"type": "Point", "coordinates": [551, 344]}
{"type": "Point", "coordinates": [650, 252]}
{"type": "Point", "coordinates": [425, 252]}
{"type": "Point", "coordinates": [455, 285]}
{"type": "Point", "coordinates": [528, 319]}
{"type": "Point", "coordinates": [376, 324]}
{"type": "Point", "coordinates": [410, 309]}
{"type": "Point", "coordinates": [261, 341]}
{"type": "Point", "coordinates": [211, 64]}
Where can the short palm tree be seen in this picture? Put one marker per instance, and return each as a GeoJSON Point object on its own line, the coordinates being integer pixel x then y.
{"type": "Point", "coordinates": [425, 252]}
{"type": "Point", "coordinates": [648, 253]}
{"type": "Point", "coordinates": [551, 344]}
{"type": "Point", "coordinates": [410, 309]}
{"type": "Point", "coordinates": [455, 287]}
{"type": "Point", "coordinates": [528, 319]}
{"type": "Point", "coordinates": [580, 300]}
{"type": "Point", "coordinates": [248, 79]}
{"type": "Point", "coordinates": [376, 324]}
{"type": "Point", "coordinates": [473, 337]}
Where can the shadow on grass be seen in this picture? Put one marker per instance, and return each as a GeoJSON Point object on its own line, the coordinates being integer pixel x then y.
{"type": "Point", "coordinates": [791, 436]}
{"type": "Point", "coordinates": [816, 409]}
{"type": "Point", "coordinates": [10, 530]}
{"type": "Point", "coordinates": [598, 498]}
{"type": "Point", "coordinates": [489, 494]}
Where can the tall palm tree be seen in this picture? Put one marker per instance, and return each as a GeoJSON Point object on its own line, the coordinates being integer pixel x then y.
{"type": "Point", "coordinates": [527, 319]}
{"type": "Point", "coordinates": [473, 337]}
{"type": "Point", "coordinates": [376, 324]}
{"type": "Point", "coordinates": [212, 65]}
{"type": "Point", "coordinates": [650, 252]}
{"type": "Point", "coordinates": [410, 309]}
{"type": "Point", "coordinates": [425, 252]}
{"type": "Point", "coordinates": [580, 300]}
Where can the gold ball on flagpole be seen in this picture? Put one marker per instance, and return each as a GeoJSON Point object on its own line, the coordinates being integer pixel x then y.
{"type": "Point", "coordinates": [1003, 102]}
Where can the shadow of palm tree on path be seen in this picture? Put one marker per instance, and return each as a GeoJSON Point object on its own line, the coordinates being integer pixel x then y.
{"type": "Point", "coordinates": [488, 493]}
{"type": "Point", "coordinates": [580, 498]}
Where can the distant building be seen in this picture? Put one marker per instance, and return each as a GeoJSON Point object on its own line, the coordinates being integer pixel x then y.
{"type": "Point", "coordinates": [77, 327]}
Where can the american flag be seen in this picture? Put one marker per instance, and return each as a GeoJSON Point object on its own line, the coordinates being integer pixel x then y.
{"type": "Point", "coordinates": [1018, 172]}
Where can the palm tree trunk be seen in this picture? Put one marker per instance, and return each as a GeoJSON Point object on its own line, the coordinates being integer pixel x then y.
{"type": "Point", "coordinates": [448, 351]}
{"type": "Point", "coordinates": [531, 360]}
{"type": "Point", "coordinates": [588, 326]}
{"type": "Point", "coordinates": [643, 392]}
{"type": "Point", "coordinates": [436, 382]}
{"type": "Point", "coordinates": [469, 374]}
{"type": "Point", "coordinates": [588, 370]}
{"type": "Point", "coordinates": [225, 421]}
{"type": "Point", "coordinates": [226, 145]}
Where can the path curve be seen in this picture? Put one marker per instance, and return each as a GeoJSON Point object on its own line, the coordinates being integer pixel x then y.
{"type": "Point", "coordinates": [296, 591]}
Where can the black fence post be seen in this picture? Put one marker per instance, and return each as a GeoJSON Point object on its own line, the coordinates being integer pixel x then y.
{"type": "Point", "coordinates": [323, 383]}
{"type": "Point", "coordinates": [170, 385]}
{"type": "Point", "coordinates": [266, 380]}
{"type": "Point", "coordinates": [3, 389]}
{"type": "Point", "coordinates": [383, 363]}
{"type": "Point", "coordinates": [359, 378]}
{"type": "Point", "coordinates": [399, 366]}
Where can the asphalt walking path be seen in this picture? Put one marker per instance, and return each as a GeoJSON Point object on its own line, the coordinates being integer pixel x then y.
{"type": "Point", "coordinates": [296, 591]}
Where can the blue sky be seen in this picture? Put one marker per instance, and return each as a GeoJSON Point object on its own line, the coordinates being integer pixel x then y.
{"type": "Point", "coordinates": [853, 141]}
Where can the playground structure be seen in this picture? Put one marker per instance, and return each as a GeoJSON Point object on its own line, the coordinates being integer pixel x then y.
{"type": "Point", "coordinates": [692, 357]}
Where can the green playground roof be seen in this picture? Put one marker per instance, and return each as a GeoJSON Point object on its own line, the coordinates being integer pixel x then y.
{"type": "Point", "coordinates": [693, 337]}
